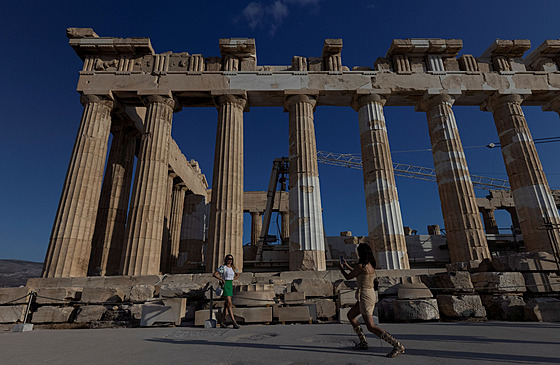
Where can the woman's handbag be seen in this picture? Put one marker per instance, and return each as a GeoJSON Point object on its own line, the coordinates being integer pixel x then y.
{"type": "Point", "coordinates": [219, 291]}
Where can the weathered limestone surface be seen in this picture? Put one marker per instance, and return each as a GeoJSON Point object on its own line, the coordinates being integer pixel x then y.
{"type": "Point", "coordinates": [226, 207]}
{"type": "Point", "coordinates": [313, 287]}
{"type": "Point", "coordinates": [293, 314]}
{"type": "Point", "coordinates": [460, 306]}
{"type": "Point", "coordinates": [504, 307]}
{"type": "Point", "coordinates": [543, 310]}
{"type": "Point", "coordinates": [70, 243]}
{"type": "Point", "coordinates": [52, 315]}
{"type": "Point", "coordinates": [56, 295]}
{"type": "Point", "coordinates": [465, 235]}
{"type": "Point", "coordinates": [141, 293]}
{"type": "Point", "coordinates": [90, 313]}
{"type": "Point", "coordinates": [252, 315]}
{"type": "Point", "coordinates": [254, 295]}
{"type": "Point", "coordinates": [200, 316]}
{"type": "Point", "coordinates": [109, 234]}
{"type": "Point", "coordinates": [532, 196]}
{"type": "Point", "coordinates": [452, 282]}
{"type": "Point", "coordinates": [294, 298]}
{"type": "Point", "coordinates": [104, 295]}
{"type": "Point", "coordinates": [385, 227]}
{"type": "Point", "coordinates": [416, 309]}
{"type": "Point", "coordinates": [12, 313]}
{"type": "Point", "coordinates": [326, 308]}
{"type": "Point", "coordinates": [145, 220]}
{"type": "Point", "coordinates": [498, 282]}
{"type": "Point", "coordinates": [542, 282]}
{"type": "Point", "coordinates": [526, 261]}
{"type": "Point", "coordinates": [307, 245]}
{"type": "Point", "coordinates": [14, 296]}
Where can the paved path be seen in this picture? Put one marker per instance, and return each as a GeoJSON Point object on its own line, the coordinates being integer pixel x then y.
{"type": "Point", "coordinates": [427, 343]}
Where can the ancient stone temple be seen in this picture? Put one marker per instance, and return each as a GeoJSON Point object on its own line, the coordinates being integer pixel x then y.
{"type": "Point", "coordinates": [131, 92]}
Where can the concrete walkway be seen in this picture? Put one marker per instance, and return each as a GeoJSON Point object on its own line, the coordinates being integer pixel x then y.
{"type": "Point", "coordinates": [426, 343]}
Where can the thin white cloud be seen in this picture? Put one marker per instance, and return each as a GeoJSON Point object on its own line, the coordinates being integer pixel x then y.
{"type": "Point", "coordinates": [272, 15]}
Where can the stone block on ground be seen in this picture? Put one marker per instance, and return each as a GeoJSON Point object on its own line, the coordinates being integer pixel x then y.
{"type": "Point", "coordinates": [326, 308]}
{"type": "Point", "coordinates": [254, 295]}
{"type": "Point", "coordinates": [56, 295]}
{"type": "Point", "coordinates": [388, 285]}
{"type": "Point", "coordinates": [179, 305]}
{"type": "Point", "coordinates": [200, 316]}
{"type": "Point", "coordinates": [12, 296]}
{"type": "Point", "coordinates": [36, 283]}
{"type": "Point", "coordinates": [252, 315]}
{"type": "Point", "coordinates": [12, 313]}
{"type": "Point", "coordinates": [460, 306]}
{"type": "Point", "coordinates": [114, 281]}
{"type": "Point", "coordinates": [190, 289]}
{"type": "Point", "coordinates": [160, 314]}
{"type": "Point", "coordinates": [346, 297]}
{"type": "Point", "coordinates": [542, 282]}
{"type": "Point", "coordinates": [463, 266]}
{"type": "Point", "coordinates": [343, 318]}
{"type": "Point", "coordinates": [416, 310]}
{"type": "Point", "coordinates": [280, 286]}
{"type": "Point", "coordinates": [504, 307]}
{"type": "Point", "coordinates": [414, 291]}
{"type": "Point", "coordinates": [177, 279]}
{"type": "Point", "coordinates": [498, 282]}
{"type": "Point", "coordinates": [294, 314]}
{"type": "Point", "coordinates": [543, 310]}
{"type": "Point", "coordinates": [104, 295]}
{"type": "Point", "coordinates": [52, 315]}
{"type": "Point", "coordinates": [449, 282]}
{"type": "Point", "coordinates": [141, 293]}
{"type": "Point", "coordinates": [135, 311]}
{"type": "Point", "coordinates": [386, 309]}
{"type": "Point", "coordinates": [294, 298]}
{"type": "Point", "coordinates": [289, 276]}
{"type": "Point", "coordinates": [313, 287]}
{"type": "Point", "coordinates": [90, 313]}
{"type": "Point", "coordinates": [246, 278]}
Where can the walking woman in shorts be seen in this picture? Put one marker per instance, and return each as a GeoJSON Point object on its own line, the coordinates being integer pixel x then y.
{"type": "Point", "coordinates": [227, 273]}
{"type": "Point", "coordinates": [364, 272]}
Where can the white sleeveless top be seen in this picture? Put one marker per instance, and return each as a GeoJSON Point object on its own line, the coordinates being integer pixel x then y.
{"type": "Point", "coordinates": [227, 272]}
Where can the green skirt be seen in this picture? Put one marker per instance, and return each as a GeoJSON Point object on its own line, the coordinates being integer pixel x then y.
{"type": "Point", "coordinates": [228, 289]}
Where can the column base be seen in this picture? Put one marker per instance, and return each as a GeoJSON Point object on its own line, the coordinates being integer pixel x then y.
{"type": "Point", "coordinates": [393, 260]}
{"type": "Point", "coordinates": [308, 260]}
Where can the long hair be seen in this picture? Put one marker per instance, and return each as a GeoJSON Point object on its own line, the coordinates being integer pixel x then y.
{"type": "Point", "coordinates": [365, 255]}
{"type": "Point", "coordinates": [232, 262]}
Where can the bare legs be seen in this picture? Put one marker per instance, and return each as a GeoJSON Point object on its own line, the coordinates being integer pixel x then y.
{"type": "Point", "coordinates": [228, 307]}
{"type": "Point", "coordinates": [353, 313]}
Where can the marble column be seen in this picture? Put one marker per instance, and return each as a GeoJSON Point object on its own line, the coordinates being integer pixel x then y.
{"type": "Point", "coordinates": [165, 259]}
{"type": "Point", "coordinates": [531, 194]}
{"type": "Point", "coordinates": [147, 209]}
{"type": "Point", "coordinates": [70, 242]}
{"type": "Point", "coordinates": [225, 234]}
{"type": "Point", "coordinates": [109, 235]}
{"type": "Point", "coordinates": [193, 229]}
{"type": "Point", "coordinates": [285, 226]}
{"type": "Point", "coordinates": [489, 220]}
{"type": "Point", "coordinates": [307, 243]}
{"type": "Point", "coordinates": [463, 226]}
{"type": "Point", "coordinates": [178, 202]}
{"type": "Point", "coordinates": [385, 227]}
{"type": "Point", "coordinates": [256, 227]}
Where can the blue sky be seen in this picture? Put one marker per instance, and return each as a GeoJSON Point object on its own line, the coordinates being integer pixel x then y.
{"type": "Point", "coordinates": [41, 109]}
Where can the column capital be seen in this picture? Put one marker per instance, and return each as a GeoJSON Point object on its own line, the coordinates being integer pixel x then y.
{"type": "Point", "coordinates": [429, 100]}
{"type": "Point", "coordinates": [497, 99]}
{"type": "Point", "coordinates": [167, 100]}
{"type": "Point", "coordinates": [291, 99]}
{"type": "Point", "coordinates": [105, 100]}
{"type": "Point", "coordinates": [359, 100]}
{"type": "Point", "coordinates": [239, 100]}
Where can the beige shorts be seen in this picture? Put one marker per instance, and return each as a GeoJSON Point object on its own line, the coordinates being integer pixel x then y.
{"type": "Point", "coordinates": [366, 299]}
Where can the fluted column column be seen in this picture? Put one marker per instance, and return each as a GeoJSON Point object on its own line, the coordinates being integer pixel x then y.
{"type": "Point", "coordinates": [256, 227]}
{"type": "Point", "coordinates": [307, 243]}
{"type": "Point", "coordinates": [225, 234]}
{"type": "Point", "coordinates": [109, 235]}
{"type": "Point", "coordinates": [178, 202]}
{"type": "Point", "coordinates": [463, 227]}
{"type": "Point", "coordinates": [385, 227]}
{"type": "Point", "coordinates": [70, 242]}
{"type": "Point", "coordinates": [285, 225]}
{"type": "Point", "coordinates": [145, 221]}
{"type": "Point", "coordinates": [193, 227]}
{"type": "Point", "coordinates": [489, 220]}
{"type": "Point", "coordinates": [531, 194]}
{"type": "Point", "coordinates": [165, 259]}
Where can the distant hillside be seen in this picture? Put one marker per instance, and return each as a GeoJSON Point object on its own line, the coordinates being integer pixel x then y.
{"type": "Point", "coordinates": [16, 272]}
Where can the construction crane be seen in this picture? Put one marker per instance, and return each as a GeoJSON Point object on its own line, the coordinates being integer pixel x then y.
{"type": "Point", "coordinates": [405, 170]}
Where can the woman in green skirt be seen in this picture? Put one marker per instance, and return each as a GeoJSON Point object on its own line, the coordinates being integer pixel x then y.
{"type": "Point", "coordinates": [227, 273]}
